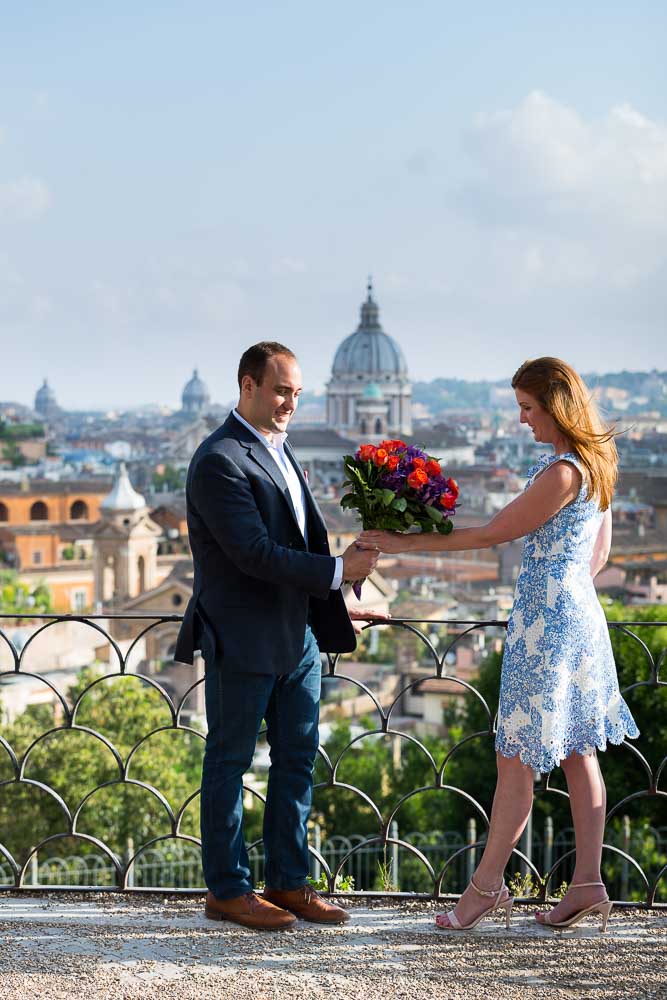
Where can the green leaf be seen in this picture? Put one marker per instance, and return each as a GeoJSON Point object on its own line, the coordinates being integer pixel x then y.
{"type": "Point", "coordinates": [401, 504]}
{"type": "Point", "coordinates": [349, 500]}
{"type": "Point", "coordinates": [434, 513]}
{"type": "Point", "coordinates": [445, 527]}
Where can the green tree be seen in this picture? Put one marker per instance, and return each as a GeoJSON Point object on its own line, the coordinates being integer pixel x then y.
{"type": "Point", "coordinates": [385, 768]}
{"type": "Point", "coordinates": [18, 597]}
{"type": "Point", "coordinates": [74, 763]}
{"type": "Point", "coordinates": [170, 478]}
{"type": "Point", "coordinates": [12, 453]}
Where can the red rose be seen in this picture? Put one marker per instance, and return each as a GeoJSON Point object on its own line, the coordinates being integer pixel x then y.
{"type": "Point", "coordinates": [433, 467]}
{"type": "Point", "coordinates": [381, 456]}
{"type": "Point", "coordinates": [392, 462]}
{"type": "Point", "coordinates": [367, 452]}
{"type": "Point", "coordinates": [418, 463]}
{"type": "Point", "coordinates": [448, 501]}
{"type": "Point", "coordinates": [453, 486]}
{"type": "Point", "coordinates": [399, 445]}
{"type": "Point", "coordinates": [417, 479]}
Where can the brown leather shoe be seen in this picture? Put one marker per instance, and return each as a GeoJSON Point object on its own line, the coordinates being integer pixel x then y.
{"type": "Point", "coordinates": [307, 904]}
{"type": "Point", "coordinates": [249, 910]}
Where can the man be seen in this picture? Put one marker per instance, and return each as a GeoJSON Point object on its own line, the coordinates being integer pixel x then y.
{"type": "Point", "coordinates": [266, 592]}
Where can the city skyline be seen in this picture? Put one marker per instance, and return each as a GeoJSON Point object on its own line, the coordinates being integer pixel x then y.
{"type": "Point", "coordinates": [177, 185]}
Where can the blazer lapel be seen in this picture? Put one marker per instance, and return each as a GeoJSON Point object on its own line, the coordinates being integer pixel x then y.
{"type": "Point", "coordinates": [263, 458]}
{"type": "Point", "coordinates": [260, 454]}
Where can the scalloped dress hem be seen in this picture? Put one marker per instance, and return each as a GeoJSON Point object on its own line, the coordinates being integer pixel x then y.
{"type": "Point", "coordinates": [546, 764]}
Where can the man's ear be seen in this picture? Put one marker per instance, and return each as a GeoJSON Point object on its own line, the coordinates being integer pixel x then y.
{"type": "Point", "coordinates": [247, 385]}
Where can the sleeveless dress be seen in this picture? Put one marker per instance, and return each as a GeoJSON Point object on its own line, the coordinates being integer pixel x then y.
{"type": "Point", "coordinates": [559, 691]}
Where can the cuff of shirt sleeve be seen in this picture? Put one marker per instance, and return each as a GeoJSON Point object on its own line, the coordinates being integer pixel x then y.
{"type": "Point", "coordinates": [338, 574]}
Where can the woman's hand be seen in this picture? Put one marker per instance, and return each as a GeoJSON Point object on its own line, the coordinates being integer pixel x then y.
{"type": "Point", "coordinates": [385, 541]}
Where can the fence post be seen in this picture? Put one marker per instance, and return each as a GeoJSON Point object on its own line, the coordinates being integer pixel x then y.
{"type": "Point", "coordinates": [626, 832]}
{"type": "Point", "coordinates": [471, 838]}
{"type": "Point", "coordinates": [34, 869]}
{"type": "Point", "coordinates": [130, 875]}
{"type": "Point", "coordinates": [548, 844]}
{"type": "Point", "coordinates": [393, 832]}
{"type": "Point", "coordinates": [317, 844]}
{"type": "Point", "coordinates": [527, 843]}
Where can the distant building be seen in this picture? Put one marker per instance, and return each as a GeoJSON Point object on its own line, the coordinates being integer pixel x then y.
{"type": "Point", "coordinates": [125, 542]}
{"type": "Point", "coordinates": [445, 443]}
{"type": "Point", "coordinates": [89, 541]}
{"type": "Point", "coordinates": [369, 394]}
{"type": "Point", "coordinates": [45, 535]}
{"type": "Point", "coordinates": [46, 405]}
{"type": "Point", "coordinates": [195, 399]}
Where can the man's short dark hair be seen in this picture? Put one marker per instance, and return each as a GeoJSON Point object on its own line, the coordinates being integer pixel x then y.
{"type": "Point", "coordinates": [253, 361]}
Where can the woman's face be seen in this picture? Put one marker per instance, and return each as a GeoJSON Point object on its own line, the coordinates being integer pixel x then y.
{"type": "Point", "coordinates": [540, 422]}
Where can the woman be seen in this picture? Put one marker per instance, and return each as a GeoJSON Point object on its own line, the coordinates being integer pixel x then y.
{"type": "Point", "coordinates": [559, 695]}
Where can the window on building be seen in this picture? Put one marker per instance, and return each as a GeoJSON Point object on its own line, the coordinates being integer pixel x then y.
{"type": "Point", "coordinates": [78, 600]}
{"type": "Point", "coordinates": [4, 512]}
{"type": "Point", "coordinates": [39, 511]}
{"type": "Point", "coordinates": [36, 558]}
{"type": "Point", "coordinates": [79, 511]}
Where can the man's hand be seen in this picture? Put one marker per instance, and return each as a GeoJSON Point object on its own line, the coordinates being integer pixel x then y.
{"type": "Point", "coordinates": [365, 615]}
{"type": "Point", "coordinates": [358, 563]}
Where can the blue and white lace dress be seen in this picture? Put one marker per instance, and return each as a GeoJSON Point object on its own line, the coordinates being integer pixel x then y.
{"type": "Point", "coordinates": [559, 691]}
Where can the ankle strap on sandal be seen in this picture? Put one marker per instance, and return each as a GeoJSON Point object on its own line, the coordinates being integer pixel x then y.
{"type": "Point", "coordinates": [486, 892]}
{"type": "Point", "coordinates": [580, 885]}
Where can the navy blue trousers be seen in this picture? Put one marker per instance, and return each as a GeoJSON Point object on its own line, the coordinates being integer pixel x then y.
{"type": "Point", "coordinates": [236, 704]}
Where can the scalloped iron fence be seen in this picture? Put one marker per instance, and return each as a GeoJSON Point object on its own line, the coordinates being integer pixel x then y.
{"type": "Point", "coordinates": [99, 770]}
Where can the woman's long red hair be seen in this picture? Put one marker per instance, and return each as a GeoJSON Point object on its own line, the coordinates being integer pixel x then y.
{"type": "Point", "coordinates": [562, 393]}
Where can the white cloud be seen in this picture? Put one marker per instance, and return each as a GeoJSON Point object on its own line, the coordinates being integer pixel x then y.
{"type": "Point", "coordinates": [613, 169]}
{"type": "Point", "coordinates": [25, 199]}
{"type": "Point", "coordinates": [569, 202]}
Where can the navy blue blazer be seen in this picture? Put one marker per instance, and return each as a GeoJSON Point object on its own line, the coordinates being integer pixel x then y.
{"type": "Point", "coordinates": [256, 583]}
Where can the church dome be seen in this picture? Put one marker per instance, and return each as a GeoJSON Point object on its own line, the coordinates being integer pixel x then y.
{"type": "Point", "coordinates": [195, 394]}
{"type": "Point", "coordinates": [369, 350]}
{"type": "Point", "coordinates": [45, 400]}
{"type": "Point", "coordinates": [123, 496]}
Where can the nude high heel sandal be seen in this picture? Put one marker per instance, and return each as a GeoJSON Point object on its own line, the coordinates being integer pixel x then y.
{"type": "Point", "coordinates": [603, 907]}
{"type": "Point", "coordinates": [493, 894]}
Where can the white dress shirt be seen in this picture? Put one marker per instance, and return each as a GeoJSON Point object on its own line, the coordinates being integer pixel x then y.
{"type": "Point", "coordinates": [275, 445]}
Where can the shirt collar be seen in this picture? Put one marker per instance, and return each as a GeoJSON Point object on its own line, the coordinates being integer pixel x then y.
{"type": "Point", "coordinates": [277, 440]}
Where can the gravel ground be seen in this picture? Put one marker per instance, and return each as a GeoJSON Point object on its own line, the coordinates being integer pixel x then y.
{"type": "Point", "coordinates": [107, 947]}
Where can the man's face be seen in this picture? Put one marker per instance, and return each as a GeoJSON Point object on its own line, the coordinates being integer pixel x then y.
{"type": "Point", "coordinates": [270, 405]}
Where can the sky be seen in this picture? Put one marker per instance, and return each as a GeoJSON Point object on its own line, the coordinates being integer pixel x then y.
{"type": "Point", "coordinates": [180, 180]}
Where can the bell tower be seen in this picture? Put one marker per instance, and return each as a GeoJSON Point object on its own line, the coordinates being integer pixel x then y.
{"type": "Point", "coordinates": [124, 544]}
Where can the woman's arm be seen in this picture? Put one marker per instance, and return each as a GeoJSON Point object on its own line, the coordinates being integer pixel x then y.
{"type": "Point", "coordinates": [552, 490]}
{"type": "Point", "coordinates": [602, 544]}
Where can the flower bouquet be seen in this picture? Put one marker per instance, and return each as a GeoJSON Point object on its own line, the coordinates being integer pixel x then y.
{"type": "Point", "coordinates": [395, 487]}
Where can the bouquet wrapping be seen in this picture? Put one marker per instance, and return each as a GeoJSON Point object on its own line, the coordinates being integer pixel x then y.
{"type": "Point", "coordinates": [396, 487]}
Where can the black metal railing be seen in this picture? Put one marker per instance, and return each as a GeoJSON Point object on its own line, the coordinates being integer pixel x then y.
{"type": "Point", "coordinates": [102, 736]}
